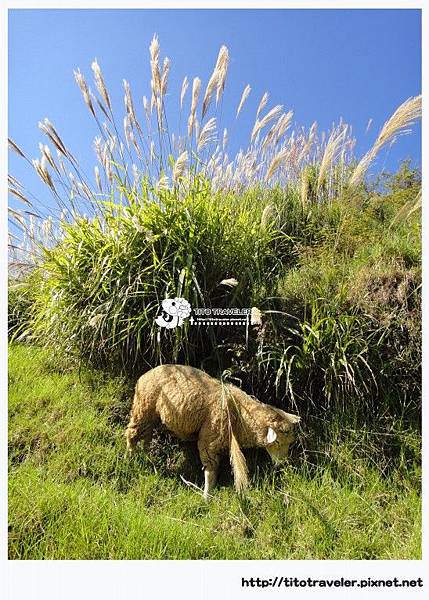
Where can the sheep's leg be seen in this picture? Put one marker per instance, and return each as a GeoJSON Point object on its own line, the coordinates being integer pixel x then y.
{"type": "Point", "coordinates": [211, 464]}
{"type": "Point", "coordinates": [210, 477]}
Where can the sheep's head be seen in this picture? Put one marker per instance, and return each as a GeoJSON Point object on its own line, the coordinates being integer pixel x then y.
{"type": "Point", "coordinates": [280, 434]}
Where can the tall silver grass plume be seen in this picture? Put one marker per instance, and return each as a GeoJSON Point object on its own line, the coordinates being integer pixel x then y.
{"type": "Point", "coordinates": [268, 215]}
{"type": "Point", "coordinates": [80, 80]}
{"type": "Point", "coordinates": [225, 139]}
{"type": "Point", "coordinates": [244, 97]}
{"type": "Point", "coordinates": [185, 86]}
{"type": "Point", "coordinates": [207, 134]}
{"type": "Point", "coordinates": [404, 116]}
{"type": "Point", "coordinates": [100, 84]}
{"type": "Point", "coordinates": [262, 104]}
{"type": "Point", "coordinates": [154, 64]}
{"type": "Point", "coordinates": [217, 79]}
{"type": "Point", "coordinates": [19, 195]}
{"type": "Point", "coordinates": [146, 108]}
{"type": "Point", "coordinates": [260, 124]}
{"type": "Point", "coordinates": [330, 154]}
{"type": "Point", "coordinates": [276, 163]}
{"type": "Point", "coordinates": [164, 76]}
{"type": "Point", "coordinates": [45, 150]}
{"type": "Point", "coordinates": [196, 86]}
{"type": "Point", "coordinates": [368, 125]}
{"type": "Point", "coordinates": [162, 184]}
{"type": "Point", "coordinates": [304, 187]}
{"type": "Point", "coordinates": [128, 101]}
{"type": "Point", "coordinates": [49, 130]}
{"type": "Point", "coordinates": [180, 166]}
{"type": "Point", "coordinates": [283, 125]}
{"type": "Point", "coordinates": [98, 179]}
{"type": "Point", "coordinates": [210, 89]}
{"type": "Point", "coordinates": [223, 62]}
{"type": "Point", "coordinates": [15, 148]}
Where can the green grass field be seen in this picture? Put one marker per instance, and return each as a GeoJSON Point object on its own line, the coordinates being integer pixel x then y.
{"type": "Point", "coordinates": [73, 495]}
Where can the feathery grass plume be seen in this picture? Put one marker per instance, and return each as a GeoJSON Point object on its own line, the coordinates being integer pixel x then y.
{"type": "Point", "coordinates": [146, 109]}
{"type": "Point", "coordinates": [128, 101]}
{"type": "Point", "coordinates": [244, 97]}
{"type": "Point", "coordinates": [368, 125]}
{"type": "Point", "coordinates": [223, 71]}
{"type": "Point", "coordinates": [46, 152]}
{"type": "Point", "coordinates": [330, 154]}
{"type": "Point", "coordinates": [225, 139]}
{"type": "Point", "coordinates": [196, 86]}
{"type": "Point", "coordinates": [217, 79]}
{"type": "Point", "coordinates": [154, 65]}
{"type": "Point", "coordinates": [162, 184]}
{"type": "Point", "coordinates": [260, 124]}
{"type": "Point", "coordinates": [98, 179]}
{"type": "Point", "coordinates": [276, 162]}
{"type": "Point", "coordinates": [164, 76]}
{"type": "Point", "coordinates": [80, 80]}
{"type": "Point", "coordinates": [185, 85]}
{"type": "Point", "coordinates": [304, 186]}
{"type": "Point", "coordinates": [404, 116]}
{"type": "Point", "coordinates": [100, 84]}
{"type": "Point", "coordinates": [239, 466]}
{"type": "Point", "coordinates": [15, 148]}
{"type": "Point", "coordinates": [180, 166]}
{"type": "Point", "coordinates": [282, 125]}
{"type": "Point", "coordinates": [307, 147]}
{"type": "Point", "coordinates": [49, 130]}
{"type": "Point", "coordinates": [268, 215]}
{"type": "Point", "coordinates": [262, 104]}
{"type": "Point", "coordinates": [19, 195]}
{"type": "Point", "coordinates": [211, 87]}
{"type": "Point", "coordinates": [207, 134]}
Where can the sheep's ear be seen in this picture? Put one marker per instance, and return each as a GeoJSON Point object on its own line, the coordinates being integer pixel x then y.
{"type": "Point", "coordinates": [294, 419]}
{"type": "Point", "coordinates": [271, 436]}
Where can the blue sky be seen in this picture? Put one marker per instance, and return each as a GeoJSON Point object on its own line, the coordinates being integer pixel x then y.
{"type": "Point", "coordinates": [324, 64]}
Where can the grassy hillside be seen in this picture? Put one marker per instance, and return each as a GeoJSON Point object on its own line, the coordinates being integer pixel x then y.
{"type": "Point", "coordinates": [295, 227]}
{"type": "Point", "coordinates": [72, 495]}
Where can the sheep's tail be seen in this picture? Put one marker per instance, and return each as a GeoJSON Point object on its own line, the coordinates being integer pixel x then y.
{"type": "Point", "coordinates": [239, 466]}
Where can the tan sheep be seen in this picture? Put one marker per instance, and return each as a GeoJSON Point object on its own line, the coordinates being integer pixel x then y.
{"type": "Point", "coordinates": [194, 406]}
